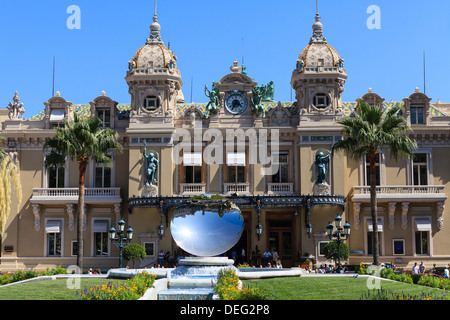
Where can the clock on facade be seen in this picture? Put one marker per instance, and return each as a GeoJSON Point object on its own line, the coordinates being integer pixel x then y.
{"type": "Point", "coordinates": [236, 102]}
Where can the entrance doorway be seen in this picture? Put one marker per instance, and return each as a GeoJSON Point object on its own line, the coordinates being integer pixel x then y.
{"type": "Point", "coordinates": [240, 252]}
{"type": "Point", "coordinates": [281, 239]}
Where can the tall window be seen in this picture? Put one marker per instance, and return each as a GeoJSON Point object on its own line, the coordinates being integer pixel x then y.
{"type": "Point", "coordinates": [422, 235]}
{"type": "Point", "coordinates": [417, 114]}
{"type": "Point", "coordinates": [420, 169]}
{"type": "Point", "coordinates": [422, 242]}
{"type": "Point", "coordinates": [236, 174]}
{"type": "Point", "coordinates": [370, 242]}
{"type": "Point", "coordinates": [53, 231]}
{"type": "Point", "coordinates": [193, 167]}
{"type": "Point", "coordinates": [101, 237]}
{"type": "Point", "coordinates": [193, 174]}
{"type": "Point", "coordinates": [282, 176]}
{"type": "Point", "coordinates": [56, 177]}
{"type": "Point", "coordinates": [377, 171]}
{"type": "Point", "coordinates": [236, 163]}
{"type": "Point", "coordinates": [105, 117]}
{"type": "Point", "coordinates": [102, 175]}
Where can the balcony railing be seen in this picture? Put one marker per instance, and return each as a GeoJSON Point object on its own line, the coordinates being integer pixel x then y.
{"type": "Point", "coordinates": [192, 188]}
{"type": "Point", "coordinates": [70, 195]}
{"type": "Point", "coordinates": [401, 193]}
{"type": "Point", "coordinates": [280, 188]}
{"type": "Point", "coordinates": [239, 188]}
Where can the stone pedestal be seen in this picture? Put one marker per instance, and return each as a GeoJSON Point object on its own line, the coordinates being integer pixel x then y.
{"type": "Point", "coordinates": [322, 189]}
{"type": "Point", "coordinates": [150, 191]}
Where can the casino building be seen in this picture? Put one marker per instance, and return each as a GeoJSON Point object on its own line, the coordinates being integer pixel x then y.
{"type": "Point", "coordinates": [287, 210]}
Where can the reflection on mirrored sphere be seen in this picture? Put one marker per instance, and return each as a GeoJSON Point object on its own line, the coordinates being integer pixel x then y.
{"type": "Point", "coordinates": [206, 231]}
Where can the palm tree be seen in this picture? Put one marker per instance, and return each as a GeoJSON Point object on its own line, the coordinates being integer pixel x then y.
{"type": "Point", "coordinates": [81, 141]}
{"type": "Point", "coordinates": [365, 134]}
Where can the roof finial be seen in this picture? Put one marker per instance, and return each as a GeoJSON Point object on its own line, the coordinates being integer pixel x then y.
{"type": "Point", "coordinates": [317, 27]}
{"type": "Point", "coordinates": [317, 9]}
{"type": "Point", "coordinates": [155, 29]}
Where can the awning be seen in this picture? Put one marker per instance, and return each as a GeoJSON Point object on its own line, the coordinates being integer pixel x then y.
{"type": "Point", "coordinates": [53, 226]}
{"type": "Point", "coordinates": [370, 225]}
{"type": "Point", "coordinates": [192, 159]}
{"type": "Point", "coordinates": [423, 224]}
{"type": "Point", "coordinates": [100, 226]}
{"type": "Point", "coordinates": [236, 159]}
{"type": "Point", "coordinates": [57, 115]}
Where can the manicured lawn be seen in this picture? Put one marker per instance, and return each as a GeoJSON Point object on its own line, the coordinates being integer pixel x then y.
{"type": "Point", "coordinates": [332, 288]}
{"type": "Point", "coordinates": [298, 288]}
{"type": "Point", "coordinates": [47, 290]}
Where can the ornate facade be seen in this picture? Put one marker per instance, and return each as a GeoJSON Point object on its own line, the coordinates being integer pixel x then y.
{"type": "Point", "coordinates": [287, 209]}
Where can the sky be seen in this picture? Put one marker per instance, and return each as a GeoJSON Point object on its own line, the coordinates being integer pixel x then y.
{"type": "Point", "coordinates": [207, 36]}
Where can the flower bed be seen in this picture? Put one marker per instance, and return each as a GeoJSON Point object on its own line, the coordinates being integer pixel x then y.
{"type": "Point", "coordinates": [229, 287]}
{"type": "Point", "coordinates": [131, 289]}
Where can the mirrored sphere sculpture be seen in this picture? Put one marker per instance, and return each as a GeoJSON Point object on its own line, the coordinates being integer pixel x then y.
{"type": "Point", "coordinates": [207, 231]}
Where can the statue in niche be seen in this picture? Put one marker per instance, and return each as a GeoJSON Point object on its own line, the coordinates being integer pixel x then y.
{"type": "Point", "coordinates": [152, 166]}
{"type": "Point", "coordinates": [322, 161]}
{"type": "Point", "coordinates": [214, 100]}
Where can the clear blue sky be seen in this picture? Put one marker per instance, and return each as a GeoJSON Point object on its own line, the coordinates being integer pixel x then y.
{"type": "Point", "coordinates": [207, 37]}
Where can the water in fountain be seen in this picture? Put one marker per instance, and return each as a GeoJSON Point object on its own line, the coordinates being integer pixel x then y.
{"type": "Point", "coordinates": [206, 233]}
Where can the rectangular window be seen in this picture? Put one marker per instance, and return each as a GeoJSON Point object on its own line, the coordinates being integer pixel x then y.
{"type": "Point", "coordinates": [322, 245]}
{"type": "Point", "coordinates": [399, 246]}
{"type": "Point", "coordinates": [101, 243]}
{"type": "Point", "coordinates": [74, 248]}
{"type": "Point", "coordinates": [53, 231]}
{"type": "Point", "coordinates": [416, 112]}
{"type": "Point", "coordinates": [102, 175]}
{"type": "Point", "coordinates": [282, 176]}
{"type": "Point", "coordinates": [193, 174]}
{"type": "Point", "coordinates": [54, 244]}
{"type": "Point", "coordinates": [236, 175]}
{"type": "Point", "coordinates": [56, 177]}
{"type": "Point", "coordinates": [422, 242]}
{"type": "Point", "coordinates": [377, 171]}
{"type": "Point", "coordinates": [100, 229]}
{"type": "Point", "coordinates": [105, 117]}
{"type": "Point", "coordinates": [149, 249]}
{"type": "Point", "coordinates": [420, 169]}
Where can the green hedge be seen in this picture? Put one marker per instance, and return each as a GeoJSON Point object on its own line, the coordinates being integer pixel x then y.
{"type": "Point", "coordinates": [29, 274]}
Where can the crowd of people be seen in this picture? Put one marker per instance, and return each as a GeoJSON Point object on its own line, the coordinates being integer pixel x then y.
{"type": "Point", "coordinates": [421, 269]}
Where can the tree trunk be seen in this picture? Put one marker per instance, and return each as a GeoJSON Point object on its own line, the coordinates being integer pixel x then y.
{"type": "Point", "coordinates": [81, 213]}
{"type": "Point", "coordinates": [373, 208]}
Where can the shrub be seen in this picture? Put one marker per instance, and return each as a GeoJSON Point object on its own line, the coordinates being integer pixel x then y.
{"type": "Point", "coordinates": [331, 251]}
{"type": "Point", "coordinates": [134, 252]}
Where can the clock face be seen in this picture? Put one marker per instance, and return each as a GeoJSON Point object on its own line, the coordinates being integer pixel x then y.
{"type": "Point", "coordinates": [236, 103]}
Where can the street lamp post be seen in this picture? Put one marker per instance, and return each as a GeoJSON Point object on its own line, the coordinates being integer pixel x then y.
{"type": "Point", "coordinates": [120, 238]}
{"type": "Point", "coordinates": [339, 235]}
